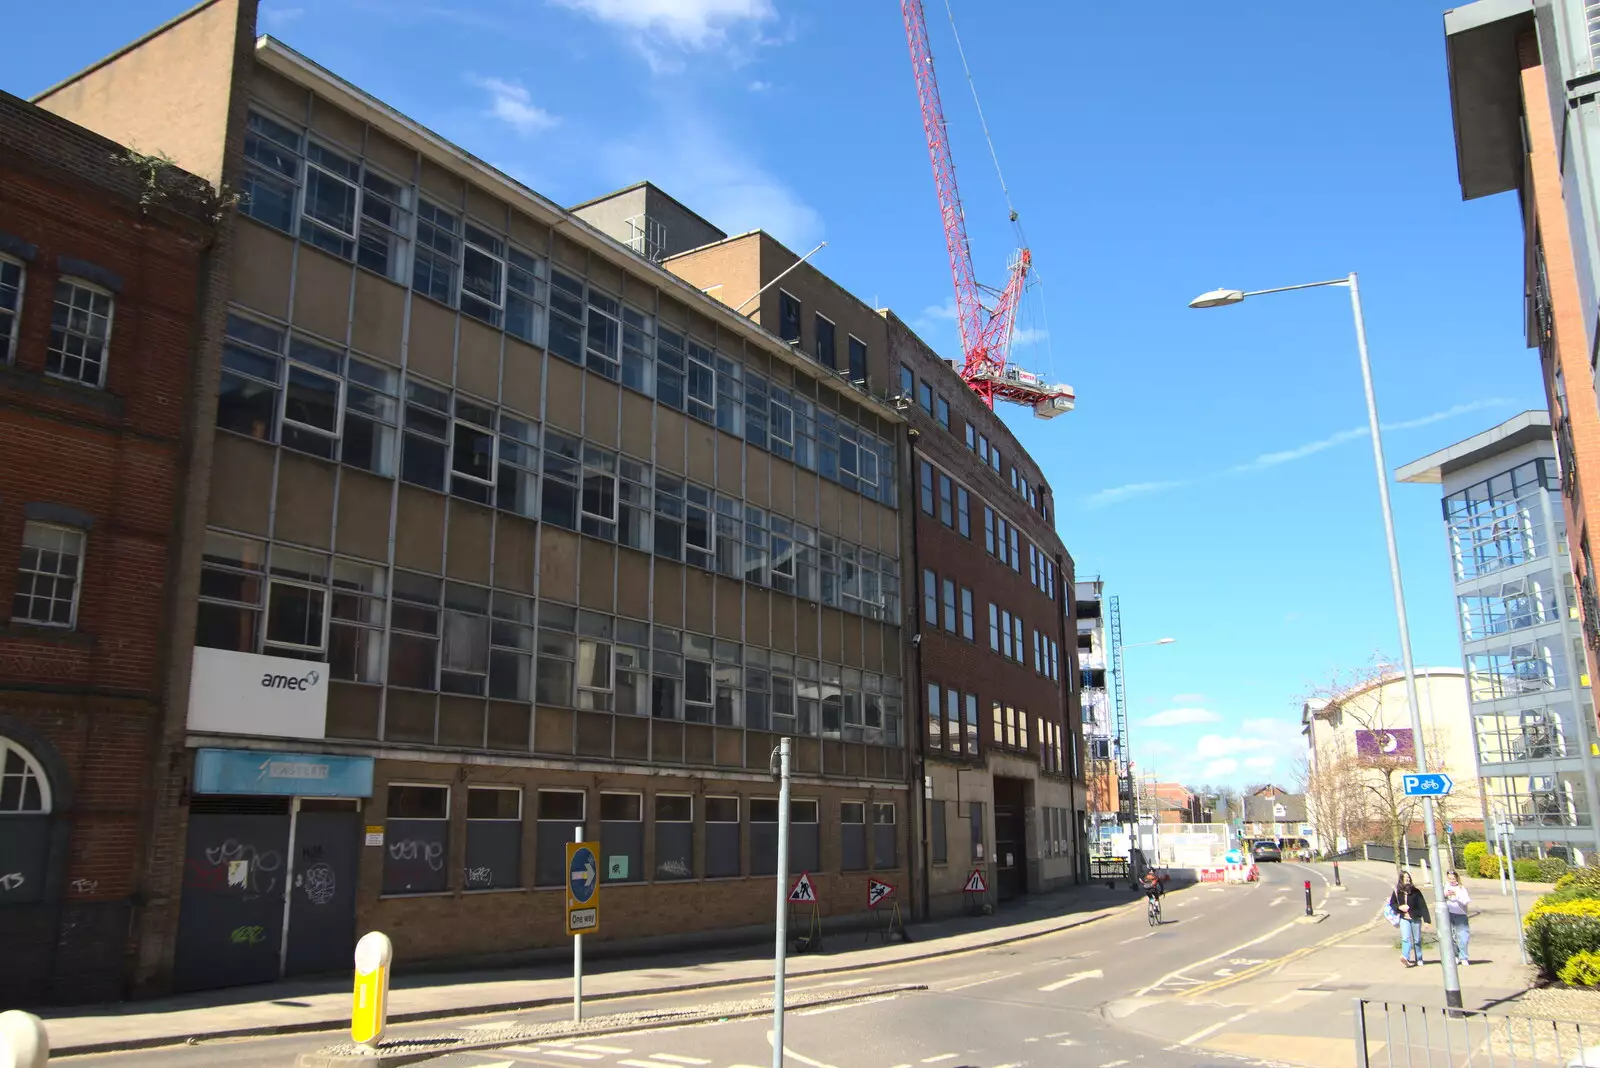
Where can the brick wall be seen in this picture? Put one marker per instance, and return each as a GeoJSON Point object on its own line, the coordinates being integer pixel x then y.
{"type": "Point", "coordinates": [92, 695]}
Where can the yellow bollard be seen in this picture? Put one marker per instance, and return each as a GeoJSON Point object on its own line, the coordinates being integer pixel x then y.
{"type": "Point", "coordinates": [371, 1013]}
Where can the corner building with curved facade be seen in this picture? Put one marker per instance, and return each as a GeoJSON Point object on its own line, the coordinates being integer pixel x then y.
{"type": "Point", "coordinates": [512, 530]}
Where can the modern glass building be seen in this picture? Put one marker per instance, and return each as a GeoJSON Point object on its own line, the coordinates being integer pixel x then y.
{"type": "Point", "coordinates": [1521, 638]}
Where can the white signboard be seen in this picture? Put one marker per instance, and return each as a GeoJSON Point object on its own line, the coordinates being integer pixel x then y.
{"type": "Point", "coordinates": [268, 696]}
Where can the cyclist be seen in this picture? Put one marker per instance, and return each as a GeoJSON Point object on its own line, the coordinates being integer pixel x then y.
{"type": "Point", "coordinates": [1150, 884]}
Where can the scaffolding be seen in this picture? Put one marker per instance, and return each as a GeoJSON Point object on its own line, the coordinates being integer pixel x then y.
{"type": "Point", "coordinates": [1126, 796]}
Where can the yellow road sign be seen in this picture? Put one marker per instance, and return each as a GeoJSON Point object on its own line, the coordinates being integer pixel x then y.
{"type": "Point", "coordinates": [583, 887]}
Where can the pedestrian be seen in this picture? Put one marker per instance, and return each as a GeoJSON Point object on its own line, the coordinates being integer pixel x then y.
{"type": "Point", "coordinates": [1456, 901]}
{"type": "Point", "coordinates": [1408, 903]}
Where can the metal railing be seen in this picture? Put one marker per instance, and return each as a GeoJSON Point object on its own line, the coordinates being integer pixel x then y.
{"type": "Point", "coordinates": [1393, 1034]}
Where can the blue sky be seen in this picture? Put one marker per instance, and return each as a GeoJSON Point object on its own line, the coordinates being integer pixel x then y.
{"type": "Point", "coordinates": [1214, 473]}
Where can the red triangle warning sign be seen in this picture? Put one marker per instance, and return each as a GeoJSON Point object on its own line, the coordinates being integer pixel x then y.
{"type": "Point", "coordinates": [803, 891]}
{"type": "Point", "coordinates": [876, 892]}
{"type": "Point", "coordinates": [976, 883]}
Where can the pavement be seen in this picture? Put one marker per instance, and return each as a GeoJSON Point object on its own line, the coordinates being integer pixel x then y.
{"type": "Point", "coordinates": [324, 1005]}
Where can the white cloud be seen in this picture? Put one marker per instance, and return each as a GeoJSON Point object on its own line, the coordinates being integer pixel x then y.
{"type": "Point", "coordinates": [1268, 460]}
{"type": "Point", "coordinates": [275, 19]}
{"type": "Point", "coordinates": [759, 86]}
{"type": "Point", "coordinates": [1026, 335]}
{"type": "Point", "coordinates": [1219, 769]}
{"type": "Point", "coordinates": [1181, 717]}
{"type": "Point", "coordinates": [1118, 494]}
{"type": "Point", "coordinates": [1260, 763]}
{"type": "Point", "coordinates": [513, 105]}
{"type": "Point", "coordinates": [696, 25]}
{"type": "Point", "coordinates": [1156, 747]}
{"type": "Point", "coordinates": [716, 176]}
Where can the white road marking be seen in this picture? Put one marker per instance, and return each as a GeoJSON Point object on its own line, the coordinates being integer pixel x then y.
{"type": "Point", "coordinates": [1137, 938]}
{"type": "Point", "coordinates": [499, 1064]}
{"type": "Point", "coordinates": [1204, 1031]}
{"type": "Point", "coordinates": [575, 1055]}
{"type": "Point", "coordinates": [496, 1026]}
{"type": "Point", "coordinates": [980, 982]}
{"type": "Point", "coordinates": [1059, 1034]}
{"type": "Point", "coordinates": [1216, 956]}
{"type": "Point", "coordinates": [1276, 901]}
{"type": "Point", "coordinates": [1114, 1064]}
{"type": "Point", "coordinates": [678, 1060]}
{"type": "Point", "coordinates": [604, 1049]}
{"type": "Point", "coordinates": [1069, 980]}
{"type": "Point", "coordinates": [940, 1057]}
{"type": "Point", "coordinates": [787, 1052]}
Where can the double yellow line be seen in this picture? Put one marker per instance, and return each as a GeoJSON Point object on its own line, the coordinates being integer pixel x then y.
{"type": "Point", "coordinates": [1257, 969]}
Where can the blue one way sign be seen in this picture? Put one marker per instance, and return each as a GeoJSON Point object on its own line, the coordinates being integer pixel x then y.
{"type": "Point", "coordinates": [1436, 785]}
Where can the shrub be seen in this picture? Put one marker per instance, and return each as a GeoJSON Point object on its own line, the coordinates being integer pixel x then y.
{"type": "Point", "coordinates": [1551, 869]}
{"type": "Point", "coordinates": [1581, 969]}
{"type": "Point", "coordinates": [1472, 855]}
{"type": "Point", "coordinates": [1489, 866]}
{"type": "Point", "coordinates": [1528, 870]}
{"type": "Point", "coordinates": [1585, 882]}
{"type": "Point", "coordinates": [1583, 907]}
{"type": "Point", "coordinates": [1554, 938]}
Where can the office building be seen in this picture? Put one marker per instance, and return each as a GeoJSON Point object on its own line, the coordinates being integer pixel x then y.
{"type": "Point", "coordinates": [1521, 640]}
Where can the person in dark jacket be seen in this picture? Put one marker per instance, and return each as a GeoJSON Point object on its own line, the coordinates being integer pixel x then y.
{"type": "Point", "coordinates": [1412, 908]}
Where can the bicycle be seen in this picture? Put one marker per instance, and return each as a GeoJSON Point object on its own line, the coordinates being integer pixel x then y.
{"type": "Point", "coordinates": [1153, 913]}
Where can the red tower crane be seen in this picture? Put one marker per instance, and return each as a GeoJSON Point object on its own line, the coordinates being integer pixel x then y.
{"type": "Point", "coordinates": [985, 331]}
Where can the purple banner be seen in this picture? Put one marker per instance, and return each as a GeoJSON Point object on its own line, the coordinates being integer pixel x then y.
{"type": "Point", "coordinates": [1386, 745]}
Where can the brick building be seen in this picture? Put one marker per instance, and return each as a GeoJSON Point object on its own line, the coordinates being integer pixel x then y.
{"type": "Point", "coordinates": [103, 291]}
{"type": "Point", "coordinates": [510, 531]}
{"type": "Point", "coordinates": [1521, 94]}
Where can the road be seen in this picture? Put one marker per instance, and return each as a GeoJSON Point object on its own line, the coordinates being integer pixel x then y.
{"type": "Point", "coordinates": [1114, 992]}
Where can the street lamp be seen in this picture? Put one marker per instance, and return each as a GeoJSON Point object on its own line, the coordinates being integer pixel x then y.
{"type": "Point", "coordinates": [1217, 298]}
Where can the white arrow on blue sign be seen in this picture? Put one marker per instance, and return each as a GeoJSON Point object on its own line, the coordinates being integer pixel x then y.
{"type": "Point", "coordinates": [1436, 785]}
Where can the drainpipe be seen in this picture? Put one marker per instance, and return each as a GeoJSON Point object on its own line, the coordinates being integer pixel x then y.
{"type": "Point", "coordinates": [1069, 740]}
{"type": "Point", "coordinates": [913, 587]}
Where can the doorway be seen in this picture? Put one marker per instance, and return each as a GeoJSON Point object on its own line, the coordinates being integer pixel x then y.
{"type": "Point", "coordinates": [1010, 838]}
{"type": "Point", "coordinates": [322, 888]}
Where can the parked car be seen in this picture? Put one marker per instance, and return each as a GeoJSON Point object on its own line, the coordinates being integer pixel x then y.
{"type": "Point", "coordinates": [1266, 851]}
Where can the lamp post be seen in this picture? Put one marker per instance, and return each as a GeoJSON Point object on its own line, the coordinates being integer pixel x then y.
{"type": "Point", "coordinates": [1127, 783]}
{"type": "Point", "coordinates": [1217, 298]}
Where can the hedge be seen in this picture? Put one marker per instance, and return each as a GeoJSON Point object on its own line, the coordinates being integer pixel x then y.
{"type": "Point", "coordinates": [1551, 869]}
{"type": "Point", "coordinates": [1581, 969]}
{"type": "Point", "coordinates": [1588, 906]}
{"type": "Point", "coordinates": [1472, 855]}
{"type": "Point", "coordinates": [1555, 938]}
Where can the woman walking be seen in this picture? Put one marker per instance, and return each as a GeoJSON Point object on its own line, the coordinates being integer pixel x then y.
{"type": "Point", "coordinates": [1408, 903]}
{"type": "Point", "coordinates": [1456, 901]}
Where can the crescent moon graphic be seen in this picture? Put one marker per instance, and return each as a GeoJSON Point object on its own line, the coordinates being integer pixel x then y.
{"type": "Point", "coordinates": [1390, 742]}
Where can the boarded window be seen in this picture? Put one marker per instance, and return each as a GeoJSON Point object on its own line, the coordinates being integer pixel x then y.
{"type": "Point", "coordinates": [805, 837]}
{"type": "Point", "coordinates": [722, 838]}
{"type": "Point", "coordinates": [938, 833]}
{"type": "Point", "coordinates": [853, 835]}
{"type": "Point", "coordinates": [494, 838]}
{"type": "Point", "coordinates": [764, 836]}
{"type": "Point", "coordinates": [560, 815]}
{"type": "Point", "coordinates": [622, 837]}
{"type": "Point", "coordinates": [416, 839]}
{"type": "Point", "coordinates": [675, 836]}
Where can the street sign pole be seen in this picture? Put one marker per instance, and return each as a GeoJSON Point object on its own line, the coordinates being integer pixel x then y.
{"type": "Point", "coordinates": [1516, 902]}
{"type": "Point", "coordinates": [577, 954]}
{"type": "Point", "coordinates": [780, 949]}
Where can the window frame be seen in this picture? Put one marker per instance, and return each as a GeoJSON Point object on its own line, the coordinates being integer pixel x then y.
{"type": "Point", "coordinates": [9, 338]}
{"type": "Point", "coordinates": [105, 342]}
{"type": "Point", "coordinates": [77, 575]}
{"type": "Point", "coordinates": [31, 769]}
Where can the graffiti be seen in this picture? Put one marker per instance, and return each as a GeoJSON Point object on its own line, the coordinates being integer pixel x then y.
{"type": "Point", "coordinates": [430, 853]}
{"type": "Point", "coordinates": [480, 876]}
{"type": "Point", "coordinates": [676, 868]}
{"type": "Point", "coordinates": [248, 936]}
{"type": "Point", "coordinates": [238, 866]}
{"type": "Point", "coordinates": [319, 884]}
{"type": "Point", "coordinates": [85, 886]}
{"type": "Point", "coordinates": [11, 882]}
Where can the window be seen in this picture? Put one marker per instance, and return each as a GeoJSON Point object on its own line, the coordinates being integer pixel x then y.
{"type": "Point", "coordinates": [908, 381]}
{"type": "Point", "coordinates": [483, 276]}
{"type": "Point", "coordinates": [558, 653]}
{"type": "Point", "coordinates": [297, 597]}
{"type": "Point", "coordinates": [826, 350]}
{"type": "Point", "coordinates": [966, 614]}
{"type": "Point", "coordinates": [525, 296]}
{"type": "Point", "coordinates": [858, 359]}
{"type": "Point", "coordinates": [674, 836]}
{"type": "Point", "coordinates": [511, 647]}
{"type": "Point", "coordinates": [764, 835]}
{"type": "Point", "coordinates": [622, 838]}
{"type": "Point", "coordinates": [1005, 636]}
{"type": "Point", "coordinates": [438, 253]}
{"type": "Point", "coordinates": [963, 512]}
{"type": "Point", "coordinates": [994, 627]}
{"type": "Point", "coordinates": [80, 327]}
{"type": "Point", "coordinates": [1016, 634]}
{"type": "Point", "coordinates": [805, 836]}
{"type": "Point", "coordinates": [925, 397]}
{"type": "Point", "coordinates": [946, 501]}
{"type": "Point", "coordinates": [604, 334]}
{"type": "Point", "coordinates": [884, 836]}
{"type": "Point", "coordinates": [788, 317]}
{"type": "Point", "coordinates": [232, 588]}
{"type": "Point", "coordinates": [994, 459]}
{"type": "Point", "coordinates": [494, 838]}
{"type": "Point", "coordinates": [722, 838]}
{"type": "Point", "coordinates": [24, 787]}
{"type": "Point", "coordinates": [1016, 557]}
{"type": "Point", "coordinates": [926, 479]}
{"type": "Point", "coordinates": [935, 717]}
{"type": "Point", "coordinates": [599, 500]}
{"type": "Point", "coordinates": [464, 654]}
{"type": "Point", "coordinates": [10, 306]}
{"type": "Point", "coordinates": [49, 574]}
{"type": "Point", "coordinates": [938, 833]}
{"type": "Point", "coordinates": [977, 825]}
{"type": "Point", "coordinates": [972, 724]}
{"type": "Point", "coordinates": [950, 606]}
{"type": "Point", "coordinates": [952, 728]}
{"type": "Point", "coordinates": [561, 813]}
{"type": "Point", "coordinates": [852, 836]}
{"type": "Point", "coordinates": [414, 631]}
{"type": "Point", "coordinates": [942, 413]}
{"type": "Point", "coordinates": [930, 598]}
{"type": "Point", "coordinates": [355, 630]}
{"type": "Point", "coordinates": [416, 839]}
{"type": "Point", "coordinates": [272, 172]}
